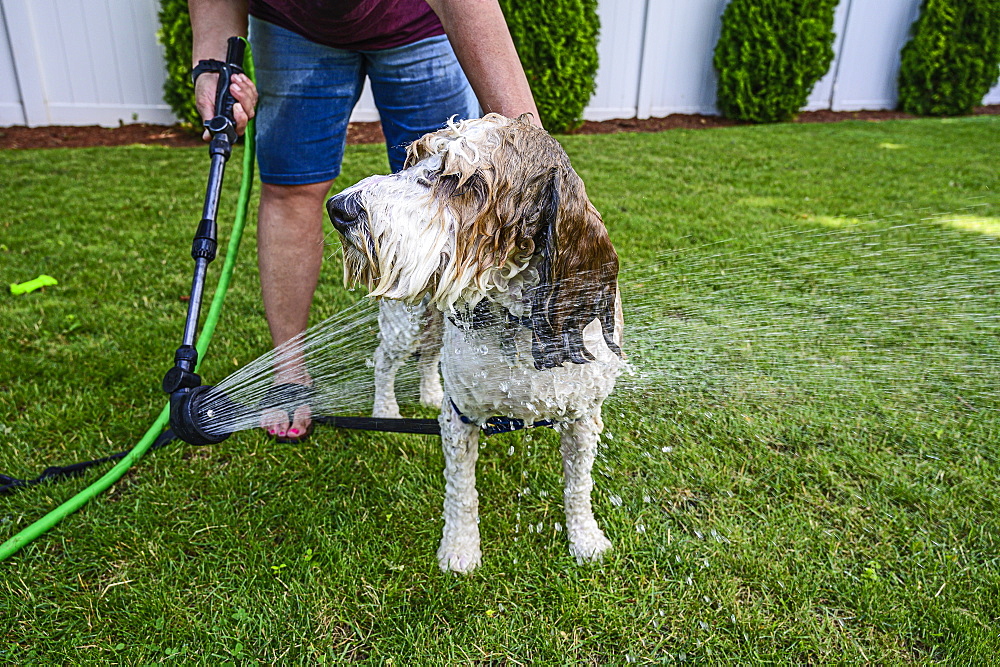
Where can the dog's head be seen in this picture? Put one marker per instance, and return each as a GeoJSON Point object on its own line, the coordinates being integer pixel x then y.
{"type": "Point", "coordinates": [484, 206]}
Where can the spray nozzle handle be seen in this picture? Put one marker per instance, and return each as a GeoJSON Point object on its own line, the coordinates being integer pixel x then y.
{"type": "Point", "coordinates": [222, 127]}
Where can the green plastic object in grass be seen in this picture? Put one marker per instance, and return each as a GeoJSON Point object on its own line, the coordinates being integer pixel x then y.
{"type": "Point", "coordinates": [43, 525]}
{"type": "Point", "coordinates": [30, 286]}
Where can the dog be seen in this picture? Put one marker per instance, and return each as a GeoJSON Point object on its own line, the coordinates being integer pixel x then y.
{"type": "Point", "coordinates": [488, 256]}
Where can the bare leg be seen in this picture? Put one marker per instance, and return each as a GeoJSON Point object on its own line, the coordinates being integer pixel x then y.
{"type": "Point", "coordinates": [459, 550]}
{"type": "Point", "coordinates": [289, 256]}
{"type": "Point", "coordinates": [578, 445]}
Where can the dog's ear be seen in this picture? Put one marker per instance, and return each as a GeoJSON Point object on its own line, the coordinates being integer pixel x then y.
{"type": "Point", "coordinates": [578, 275]}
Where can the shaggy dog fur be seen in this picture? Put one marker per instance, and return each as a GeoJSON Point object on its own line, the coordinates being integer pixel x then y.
{"type": "Point", "coordinates": [486, 248]}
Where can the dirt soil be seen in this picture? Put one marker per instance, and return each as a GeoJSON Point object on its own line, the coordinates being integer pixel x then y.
{"type": "Point", "coordinates": [58, 136]}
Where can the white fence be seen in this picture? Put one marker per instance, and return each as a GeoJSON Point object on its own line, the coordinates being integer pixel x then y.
{"type": "Point", "coordinates": [97, 62]}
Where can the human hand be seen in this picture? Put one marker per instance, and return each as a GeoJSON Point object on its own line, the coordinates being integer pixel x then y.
{"type": "Point", "coordinates": [242, 89]}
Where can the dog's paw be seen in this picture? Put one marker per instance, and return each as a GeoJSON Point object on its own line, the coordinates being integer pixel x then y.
{"type": "Point", "coordinates": [386, 410]}
{"type": "Point", "coordinates": [461, 557]}
{"type": "Point", "coordinates": [589, 546]}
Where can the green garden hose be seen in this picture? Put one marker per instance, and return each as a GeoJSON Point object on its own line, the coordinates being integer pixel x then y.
{"type": "Point", "coordinates": [41, 526]}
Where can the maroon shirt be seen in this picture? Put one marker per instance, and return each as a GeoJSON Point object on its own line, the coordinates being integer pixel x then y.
{"type": "Point", "coordinates": [360, 25]}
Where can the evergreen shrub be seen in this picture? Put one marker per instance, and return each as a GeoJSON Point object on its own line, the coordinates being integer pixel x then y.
{"type": "Point", "coordinates": [175, 36]}
{"type": "Point", "coordinates": [557, 43]}
{"type": "Point", "coordinates": [953, 58]}
{"type": "Point", "coordinates": [769, 56]}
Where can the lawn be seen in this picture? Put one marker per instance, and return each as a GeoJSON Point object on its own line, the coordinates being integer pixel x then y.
{"type": "Point", "coordinates": [802, 467]}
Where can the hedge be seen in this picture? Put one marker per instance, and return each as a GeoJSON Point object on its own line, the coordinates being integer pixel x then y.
{"type": "Point", "coordinates": [175, 36]}
{"type": "Point", "coordinates": [557, 43]}
{"type": "Point", "coordinates": [953, 58]}
{"type": "Point", "coordinates": [769, 56]}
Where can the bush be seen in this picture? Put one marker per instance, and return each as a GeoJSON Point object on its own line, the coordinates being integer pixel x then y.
{"type": "Point", "coordinates": [557, 43]}
{"type": "Point", "coordinates": [175, 36]}
{"type": "Point", "coordinates": [953, 59]}
{"type": "Point", "coordinates": [769, 56]}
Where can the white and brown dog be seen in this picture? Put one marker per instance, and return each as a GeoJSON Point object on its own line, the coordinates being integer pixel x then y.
{"type": "Point", "coordinates": [487, 240]}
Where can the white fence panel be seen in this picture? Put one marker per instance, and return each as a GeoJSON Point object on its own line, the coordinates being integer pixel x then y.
{"type": "Point", "coordinates": [677, 71]}
{"type": "Point", "coordinates": [619, 52]}
{"type": "Point", "coordinates": [993, 97]}
{"type": "Point", "coordinates": [11, 109]}
{"type": "Point", "coordinates": [821, 95]}
{"type": "Point", "coordinates": [83, 62]}
{"type": "Point", "coordinates": [876, 32]}
{"type": "Point", "coordinates": [365, 110]}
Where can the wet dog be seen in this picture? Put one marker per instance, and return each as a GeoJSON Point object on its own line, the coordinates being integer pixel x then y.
{"type": "Point", "coordinates": [488, 255]}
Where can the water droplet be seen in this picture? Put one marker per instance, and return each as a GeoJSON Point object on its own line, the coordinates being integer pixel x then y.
{"type": "Point", "coordinates": [615, 500]}
{"type": "Point", "coordinates": [558, 527]}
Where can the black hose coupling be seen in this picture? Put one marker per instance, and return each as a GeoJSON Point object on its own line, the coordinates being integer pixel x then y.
{"type": "Point", "coordinates": [205, 244]}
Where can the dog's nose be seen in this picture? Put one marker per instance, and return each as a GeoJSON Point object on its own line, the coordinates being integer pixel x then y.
{"type": "Point", "coordinates": [344, 210]}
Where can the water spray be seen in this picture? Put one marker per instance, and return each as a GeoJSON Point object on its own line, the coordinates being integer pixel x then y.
{"type": "Point", "coordinates": [188, 417]}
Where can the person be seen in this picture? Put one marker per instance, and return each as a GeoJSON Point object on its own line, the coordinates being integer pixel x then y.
{"type": "Point", "coordinates": [427, 60]}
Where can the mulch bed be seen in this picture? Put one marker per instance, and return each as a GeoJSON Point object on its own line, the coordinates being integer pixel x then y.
{"type": "Point", "coordinates": [58, 136]}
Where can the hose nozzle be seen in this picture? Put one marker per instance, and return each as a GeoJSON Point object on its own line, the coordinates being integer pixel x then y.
{"type": "Point", "coordinates": [192, 411]}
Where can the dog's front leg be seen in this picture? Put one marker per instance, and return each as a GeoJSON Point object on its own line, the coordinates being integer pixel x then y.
{"type": "Point", "coordinates": [399, 330]}
{"type": "Point", "coordinates": [429, 349]}
{"type": "Point", "coordinates": [578, 444]}
{"type": "Point", "coordinates": [387, 364]}
{"type": "Point", "coordinates": [459, 550]}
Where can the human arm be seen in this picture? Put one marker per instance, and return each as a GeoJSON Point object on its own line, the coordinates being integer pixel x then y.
{"type": "Point", "coordinates": [212, 23]}
{"type": "Point", "coordinates": [479, 35]}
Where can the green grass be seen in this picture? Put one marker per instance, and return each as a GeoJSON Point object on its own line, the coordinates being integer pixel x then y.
{"type": "Point", "coordinates": [810, 476]}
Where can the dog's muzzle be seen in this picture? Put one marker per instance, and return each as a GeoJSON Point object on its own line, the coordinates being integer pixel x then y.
{"type": "Point", "coordinates": [344, 210]}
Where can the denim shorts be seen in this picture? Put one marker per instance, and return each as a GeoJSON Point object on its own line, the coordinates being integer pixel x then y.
{"type": "Point", "coordinates": [307, 93]}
